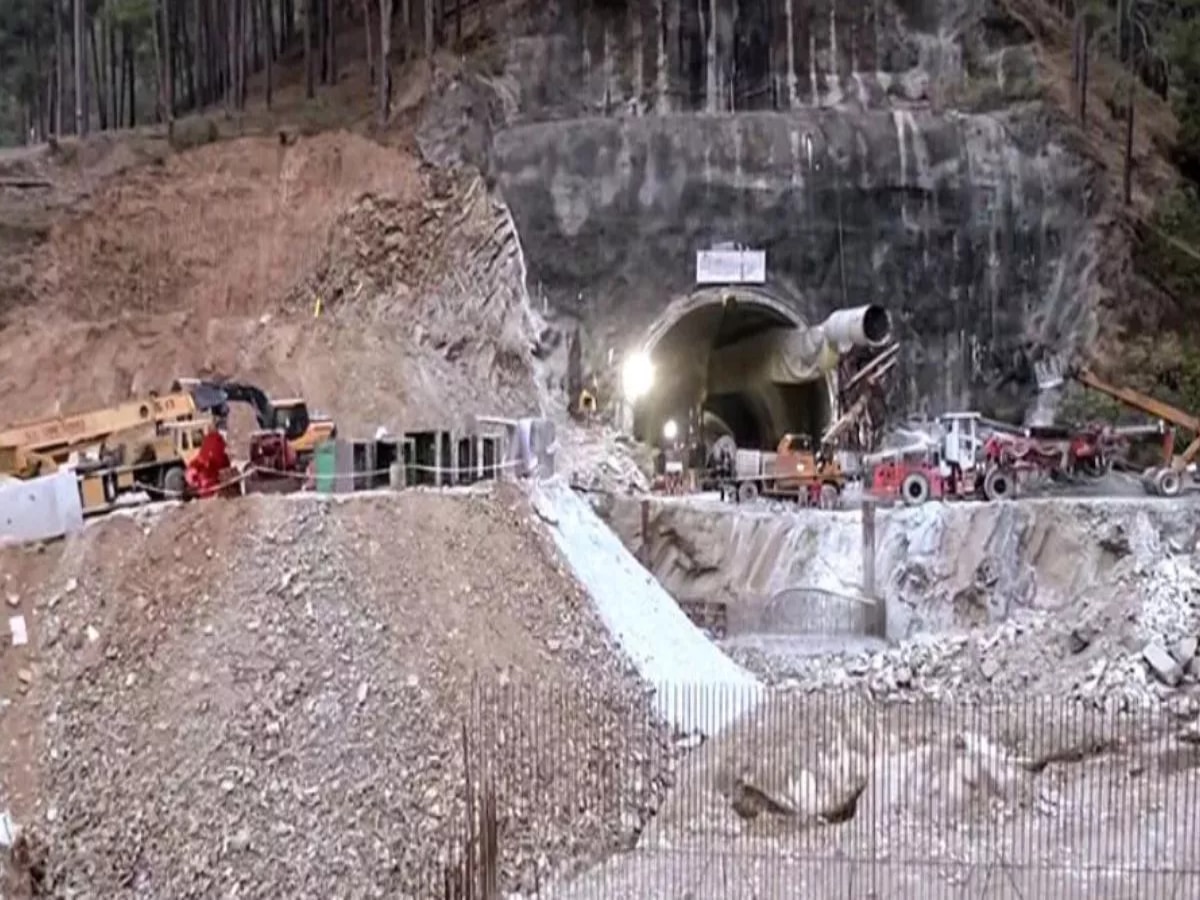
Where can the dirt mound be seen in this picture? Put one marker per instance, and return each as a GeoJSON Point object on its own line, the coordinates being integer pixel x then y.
{"type": "Point", "coordinates": [273, 692]}
{"type": "Point", "coordinates": [213, 263]}
{"type": "Point", "coordinates": [225, 229]}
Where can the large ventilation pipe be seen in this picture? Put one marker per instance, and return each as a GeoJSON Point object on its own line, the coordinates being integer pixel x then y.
{"type": "Point", "coordinates": [798, 355]}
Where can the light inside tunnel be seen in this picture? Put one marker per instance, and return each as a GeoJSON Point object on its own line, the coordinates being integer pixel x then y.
{"type": "Point", "coordinates": [637, 377]}
{"type": "Point", "coordinates": [699, 378]}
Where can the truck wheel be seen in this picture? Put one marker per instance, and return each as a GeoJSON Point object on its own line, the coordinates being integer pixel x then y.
{"type": "Point", "coordinates": [747, 492]}
{"type": "Point", "coordinates": [830, 496]}
{"type": "Point", "coordinates": [999, 485]}
{"type": "Point", "coordinates": [1150, 480]}
{"type": "Point", "coordinates": [915, 488]}
{"type": "Point", "coordinates": [1168, 482]}
{"type": "Point", "coordinates": [174, 484]}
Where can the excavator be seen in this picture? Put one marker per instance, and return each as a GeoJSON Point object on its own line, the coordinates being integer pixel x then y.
{"type": "Point", "coordinates": [1165, 480]}
{"type": "Point", "coordinates": [301, 430]}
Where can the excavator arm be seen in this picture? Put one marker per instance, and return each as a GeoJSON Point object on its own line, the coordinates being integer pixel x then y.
{"type": "Point", "coordinates": [291, 418]}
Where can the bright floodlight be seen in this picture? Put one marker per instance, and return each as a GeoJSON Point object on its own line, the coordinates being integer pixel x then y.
{"type": "Point", "coordinates": [637, 376]}
{"type": "Point", "coordinates": [670, 430]}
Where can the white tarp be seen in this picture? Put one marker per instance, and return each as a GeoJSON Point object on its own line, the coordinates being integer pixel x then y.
{"type": "Point", "coordinates": [39, 509]}
{"type": "Point", "coordinates": [731, 267]}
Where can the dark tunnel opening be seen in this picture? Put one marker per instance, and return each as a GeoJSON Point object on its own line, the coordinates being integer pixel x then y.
{"type": "Point", "coordinates": [877, 324]}
{"type": "Point", "coordinates": [757, 414]}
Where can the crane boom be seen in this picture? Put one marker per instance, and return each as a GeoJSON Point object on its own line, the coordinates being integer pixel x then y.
{"type": "Point", "coordinates": [51, 436]}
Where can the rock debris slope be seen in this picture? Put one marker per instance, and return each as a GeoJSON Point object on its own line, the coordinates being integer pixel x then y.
{"type": "Point", "coordinates": [269, 697]}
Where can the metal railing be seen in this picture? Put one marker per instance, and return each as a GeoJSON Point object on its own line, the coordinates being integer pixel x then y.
{"type": "Point", "coordinates": [570, 795]}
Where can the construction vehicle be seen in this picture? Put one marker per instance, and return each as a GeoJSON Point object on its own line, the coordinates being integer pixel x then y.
{"type": "Point", "coordinates": [161, 463]}
{"type": "Point", "coordinates": [291, 417]}
{"type": "Point", "coordinates": [1165, 480]}
{"type": "Point", "coordinates": [794, 471]}
{"type": "Point", "coordinates": [41, 447]}
{"type": "Point", "coordinates": [958, 461]}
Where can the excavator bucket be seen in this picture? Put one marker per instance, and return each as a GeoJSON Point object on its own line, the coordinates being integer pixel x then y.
{"type": "Point", "coordinates": [1050, 373]}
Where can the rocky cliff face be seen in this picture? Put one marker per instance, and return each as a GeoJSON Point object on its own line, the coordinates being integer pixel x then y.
{"type": "Point", "coordinates": [881, 152]}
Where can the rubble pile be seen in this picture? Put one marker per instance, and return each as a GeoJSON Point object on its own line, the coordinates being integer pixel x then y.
{"type": "Point", "coordinates": [275, 695]}
{"type": "Point", "coordinates": [1030, 655]}
{"type": "Point", "coordinates": [597, 459]}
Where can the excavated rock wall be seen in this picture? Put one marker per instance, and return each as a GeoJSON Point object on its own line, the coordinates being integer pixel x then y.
{"type": "Point", "coordinates": [887, 152]}
{"type": "Point", "coordinates": [939, 567]}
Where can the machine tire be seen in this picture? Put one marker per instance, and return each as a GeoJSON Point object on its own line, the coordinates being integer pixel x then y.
{"type": "Point", "coordinates": [1150, 480]}
{"type": "Point", "coordinates": [830, 496]}
{"type": "Point", "coordinates": [1168, 483]}
{"type": "Point", "coordinates": [174, 484]}
{"type": "Point", "coordinates": [999, 485]}
{"type": "Point", "coordinates": [915, 489]}
{"type": "Point", "coordinates": [747, 492]}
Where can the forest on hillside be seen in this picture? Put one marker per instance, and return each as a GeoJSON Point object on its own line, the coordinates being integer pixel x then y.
{"type": "Point", "coordinates": [71, 67]}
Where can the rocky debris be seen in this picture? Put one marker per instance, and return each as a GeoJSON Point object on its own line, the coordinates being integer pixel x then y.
{"type": "Point", "coordinates": [1162, 665]}
{"type": "Point", "coordinates": [598, 459]}
{"type": "Point", "coordinates": [447, 267]}
{"type": "Point", "coordinates": [284, 706]}
{"type": "Point", "coordinates": [1027, 654]}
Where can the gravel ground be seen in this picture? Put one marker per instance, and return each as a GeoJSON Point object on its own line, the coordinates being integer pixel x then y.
{"type": "Point", "coordinates": [271, 697]}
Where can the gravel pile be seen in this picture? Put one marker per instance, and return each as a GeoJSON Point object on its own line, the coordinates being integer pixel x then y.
{"type": "Point", "coordinates": [272, 697]}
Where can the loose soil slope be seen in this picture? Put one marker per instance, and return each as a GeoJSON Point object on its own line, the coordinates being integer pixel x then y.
{"type": "Point", "coordinates": [270, 695]}
{"type": "Point", "coordinates": [213, 261]}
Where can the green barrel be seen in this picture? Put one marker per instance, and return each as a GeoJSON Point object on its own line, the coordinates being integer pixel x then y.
{"type": "Point", "coordinates": [325, 464]}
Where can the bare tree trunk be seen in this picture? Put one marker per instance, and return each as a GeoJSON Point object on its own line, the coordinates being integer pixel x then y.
{"type": "Point", "coordinates": [1130, 100]}
{"type": "Point", "coordinates": [58, 68]}
{"type": "Point", "coordinates": [331, 39]}
{"type": "Point", "coordinates": [131, 76]}
{"type": "Point", "coordinates": [243, 50]}
{"type": "Point", "coordinates": [168, 67]}
{"type": "Point", "coordinates": [385, 69]}
{"type": "Point", "coordinates": [255, 47]}
{"type": "Point", "coordinates": [309, 87]}
{"type": "Point", "coordinates": [156, 42]}
{"type": "Point", "coordinates": [189, 67]}
{"type": "Point", "coordinates": [366, 8]}
{"type": "Point", "coordinates": [114, 89]}
{"type": "Point", "coordinates": [287, 26]}
{"type": "Point", "coordinates": [405, 28]}
{"type": "Point", "coordinates": [1083, 75]}
{"type": "Point", "coordinates": [429, 29]}
{"type": "Point", "coordinates": [98, 75]}
{"type": "Point", "coordinates": [230, 67]}
{"type": "Point", "coordinates": [81, 117]}
{"type": "Point", "coordinates": [269, 51]}
{"type": "Point", "coordinates": [322, 54]}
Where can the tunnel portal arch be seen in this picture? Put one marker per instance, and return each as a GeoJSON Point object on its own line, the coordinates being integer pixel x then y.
{"type": "Point", "coordinates": [679, 344]}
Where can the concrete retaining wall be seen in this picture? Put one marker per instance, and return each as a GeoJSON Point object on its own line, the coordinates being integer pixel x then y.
{"type": "Point", "coordinates": [39, 509]}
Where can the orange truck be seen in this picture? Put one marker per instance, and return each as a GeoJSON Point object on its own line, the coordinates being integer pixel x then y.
{"type": "Point", "coordinates": [795, 471]}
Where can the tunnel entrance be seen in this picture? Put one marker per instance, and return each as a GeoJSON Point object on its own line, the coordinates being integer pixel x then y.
{"type": "Point", "coordinates": [692, 385]}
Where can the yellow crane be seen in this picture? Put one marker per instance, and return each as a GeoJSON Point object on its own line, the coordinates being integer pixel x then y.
{"type": "Point", "coordinates": [39, 447]}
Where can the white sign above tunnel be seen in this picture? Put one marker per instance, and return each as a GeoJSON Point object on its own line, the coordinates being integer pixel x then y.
{"type": "Point", "coordinates": [731, 267]}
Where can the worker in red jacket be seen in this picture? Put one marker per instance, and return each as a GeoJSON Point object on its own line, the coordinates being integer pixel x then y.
{"type": "Point", "coordinates": [205, 469]}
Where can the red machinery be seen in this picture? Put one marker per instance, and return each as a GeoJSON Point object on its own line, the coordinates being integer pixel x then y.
{"type": "Point", "coordinates": [960, 464]}
{"type": "Point", "coordinates": [274, 466]}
